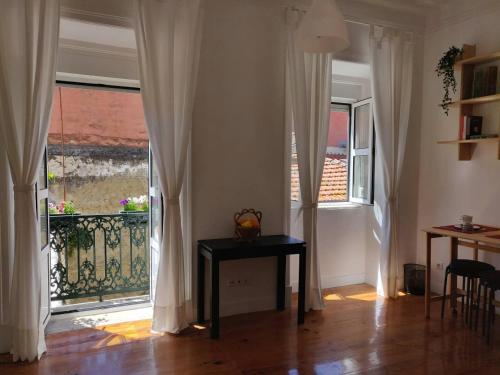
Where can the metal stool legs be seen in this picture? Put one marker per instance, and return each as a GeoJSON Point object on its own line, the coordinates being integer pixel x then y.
{"type": "Point", "coordinates": [444, 292]}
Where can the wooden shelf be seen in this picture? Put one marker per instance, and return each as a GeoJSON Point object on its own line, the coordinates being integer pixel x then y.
{"type": "Point", "coordinates": [480, 140]}
{"type": "Point", "coordinates": [466, 67]}
{"type": "Point", "coordinates": [479, 100]}
{"type": "Point", "coordinates": [466, 147]}
{"type": "Point", "coordinates": [479, 59]}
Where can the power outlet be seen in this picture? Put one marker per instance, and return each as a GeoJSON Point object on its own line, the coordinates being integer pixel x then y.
{"type": "Point", "coordinates": [237, 283]}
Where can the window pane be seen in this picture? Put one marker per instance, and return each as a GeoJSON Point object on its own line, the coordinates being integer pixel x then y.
{"type": "Point", "coordinates": [362, 126]}
{"type": "Point", "coordinates": [335, 170]}
{"type": "Point", "coordinates": [42, 174]}
{"type": "Point", "coordinates": [155, 217]}
{"type": "Point", "coordinates": [361, 177]}
{"type": "Point", "coordinates": [44, 222]}
{"type": "Point", "coordinates": [154, 175]}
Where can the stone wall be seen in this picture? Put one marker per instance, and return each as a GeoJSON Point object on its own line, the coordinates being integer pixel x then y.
{"type": "Point", "coordinates": [97, 177]}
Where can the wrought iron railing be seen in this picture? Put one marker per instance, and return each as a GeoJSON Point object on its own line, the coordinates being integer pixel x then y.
{"type": "Point", "coordinates": [98, 255]}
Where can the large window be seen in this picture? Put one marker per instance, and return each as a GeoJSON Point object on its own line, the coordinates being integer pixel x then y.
{"type": "Point", "coordinates": [348, 168]}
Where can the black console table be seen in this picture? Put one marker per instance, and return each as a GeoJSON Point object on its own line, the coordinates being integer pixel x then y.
{"type": "Point", "coordinates": [229, 249]}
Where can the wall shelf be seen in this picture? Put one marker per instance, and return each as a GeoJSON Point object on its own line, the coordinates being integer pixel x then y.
{"type": "Point", "coordinates": [466, 147]}
{"type": "Point", "coordinates": [482, 59]}
{"type": "Point", "coordinates": [479, 100]}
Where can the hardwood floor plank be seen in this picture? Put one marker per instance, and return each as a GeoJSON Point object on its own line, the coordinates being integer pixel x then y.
{"type": "Point", "coordinates": [357, 333]}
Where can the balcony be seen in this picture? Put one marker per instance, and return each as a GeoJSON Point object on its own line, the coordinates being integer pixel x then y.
{"type": "Point", "coordinates": [97, 257]}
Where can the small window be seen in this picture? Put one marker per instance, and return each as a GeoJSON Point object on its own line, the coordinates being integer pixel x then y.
{"type": "Point", "coordinates": [348, 167]}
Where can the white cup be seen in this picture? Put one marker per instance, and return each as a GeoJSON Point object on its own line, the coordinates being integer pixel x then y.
{"type": "Point", "coordinates": [466, 219]}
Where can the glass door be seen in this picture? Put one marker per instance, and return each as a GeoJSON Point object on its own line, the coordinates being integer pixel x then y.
{"type": "Point", "coordinates": [156, 222]}
{"type": "Point", "coordinates": [42, 194]}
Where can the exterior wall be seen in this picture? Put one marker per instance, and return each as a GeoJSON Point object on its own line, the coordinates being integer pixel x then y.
{"type": "Point", "coordinates": [448, 187]}
{"type": "Point", "coordinates": [105, 148]}
{"type": "Point", "coordinates": [97, 182]}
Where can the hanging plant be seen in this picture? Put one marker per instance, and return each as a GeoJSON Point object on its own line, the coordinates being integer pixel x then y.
{"type": "Point", "coordinates": [446, 72]}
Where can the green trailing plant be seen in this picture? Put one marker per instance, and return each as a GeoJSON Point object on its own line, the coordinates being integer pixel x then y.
{"type": "Point", "coordinates": [446, 71]}
{"type": "Point", "coordinates": [52, 177]}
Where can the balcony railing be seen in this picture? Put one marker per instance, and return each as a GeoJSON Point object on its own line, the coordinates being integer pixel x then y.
{"type": "Point", "coordinates": [99, 255]}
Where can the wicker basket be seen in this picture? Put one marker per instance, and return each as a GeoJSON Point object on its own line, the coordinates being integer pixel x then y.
{"type": "Point", "coordinates": [247, 224]}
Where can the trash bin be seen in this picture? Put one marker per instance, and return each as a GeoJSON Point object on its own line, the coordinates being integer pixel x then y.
{"type": "Point", "coordinates": [414, 279]}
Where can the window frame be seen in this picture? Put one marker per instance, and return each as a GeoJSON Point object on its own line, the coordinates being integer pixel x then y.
{"type": "Point", "coordinates": [346, 202]}
{"type": "Point", "coordinates": [369, 151]}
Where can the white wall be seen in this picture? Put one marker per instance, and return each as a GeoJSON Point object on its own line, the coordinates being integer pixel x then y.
{"type": "Point", "coordinates": [448, 187]}
{"type": "Point", "coordinates": [238, 137]}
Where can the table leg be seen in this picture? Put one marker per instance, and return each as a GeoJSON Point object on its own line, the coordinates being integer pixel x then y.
{"type": "Point", "coordinates": [280, 282]}
{"type": "Point", "coordinates": [302, 287]}
{"type": "Point", "coordinates": [428, 277]}
{"type": "Point", "coordinates": [201, 287]}
{"type": "Point", "coordinates": [453, 283]}
{"type": "Point", "coordinates": [214, 330]}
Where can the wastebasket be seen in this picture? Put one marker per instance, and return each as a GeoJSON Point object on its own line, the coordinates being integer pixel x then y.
{"type": "Point", "coordinates": [414, 279]}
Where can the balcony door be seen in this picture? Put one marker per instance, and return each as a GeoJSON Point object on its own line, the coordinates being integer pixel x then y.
{"type": "Point", "coordinates": [42, 192]}
{"type": "Point", "coordinates": [156, 223]}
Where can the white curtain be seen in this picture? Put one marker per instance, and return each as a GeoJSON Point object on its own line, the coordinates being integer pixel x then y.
{"type": "Point", "coordinates": [168, 44]}
{"type": "Point", "coordinates": [309, 79]}
{"type": "Point", "coordinates": [392, 75]}
{"type": "Point", "coordinates": [29, 34]}
{"type": "Point", "coordinates": [6, 247]}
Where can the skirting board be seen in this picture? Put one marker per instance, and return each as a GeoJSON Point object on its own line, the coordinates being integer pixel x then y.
{"type": "Point", "coordinates": [335, 281]}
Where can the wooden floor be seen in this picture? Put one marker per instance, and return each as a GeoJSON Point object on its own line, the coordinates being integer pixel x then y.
{"type": "Point", "coordinates": [356, 333]}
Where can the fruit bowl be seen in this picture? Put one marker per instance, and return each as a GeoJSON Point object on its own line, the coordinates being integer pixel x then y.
{"type": "Point", "coordinates": [247, 224]}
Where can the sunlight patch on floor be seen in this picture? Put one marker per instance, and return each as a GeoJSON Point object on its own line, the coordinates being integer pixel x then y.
{"type": "Point", "coordinates": [333, 297]}
{"type": "Point", "coordinates": [364, 296]}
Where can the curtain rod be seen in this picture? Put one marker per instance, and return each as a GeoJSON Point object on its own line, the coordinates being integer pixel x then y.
{"type": "Point", "coordinates": [359, 21]}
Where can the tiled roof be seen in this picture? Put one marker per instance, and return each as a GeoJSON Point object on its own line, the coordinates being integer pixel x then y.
{"type": "Point", "coordinates": [333, 185]}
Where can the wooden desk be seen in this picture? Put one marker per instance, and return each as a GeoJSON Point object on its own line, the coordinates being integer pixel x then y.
{"type": "Point", "coordinates": [488, 241]}
{"type": "Point", "coordinates": [228, 249]}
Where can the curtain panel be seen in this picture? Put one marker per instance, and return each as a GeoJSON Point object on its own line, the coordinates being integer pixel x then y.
{"type": "Point", "coordinates": [29, 35]}
{"type": "Point", "coordinates": [6, 248]}
{"type": "Point", "coordinates": [168, 45]}
{"type": "Point", "coordinates": [308, 84]}
{"type": "Point", "coordinates": [391, 54]}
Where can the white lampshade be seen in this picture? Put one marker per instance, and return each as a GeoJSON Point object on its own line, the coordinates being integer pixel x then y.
{"type": "Point", "coordinates": [323, 28]}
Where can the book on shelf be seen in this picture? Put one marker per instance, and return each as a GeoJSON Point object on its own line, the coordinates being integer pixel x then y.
{"type": "Point", "coordinates": [471, 126]}
{"type": "Point", "coordinates": [491, 80]}
{"type": "Point", "coordinates": [484, 81]}
{"type": "Point", "coordinates": [478, 83]}
{"type": "Point", "coordinates": [484, 136]}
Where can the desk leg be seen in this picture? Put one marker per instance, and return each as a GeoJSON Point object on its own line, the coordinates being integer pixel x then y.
{"type": "Point", "coordinates": [428, 277]}
{"type": "Point", "coordinates": [302, 287]}
{"type": "Point", "coordinates": [214, 330]}
{"type": "Point", "coordinates": [280, 282]}
{"type": "Point", "coordinates": [453, 284]}
{"type": "Point", "coordinates": [201, 287]}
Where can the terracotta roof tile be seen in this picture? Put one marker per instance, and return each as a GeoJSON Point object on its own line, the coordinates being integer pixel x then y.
{"type": "Point", "coordinates": [334, 183]}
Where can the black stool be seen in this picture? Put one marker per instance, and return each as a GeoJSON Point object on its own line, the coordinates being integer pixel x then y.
{"type": "Point", "coordinates": [470, 270]}
{"type": "Point", "coordinates": [491, 282]}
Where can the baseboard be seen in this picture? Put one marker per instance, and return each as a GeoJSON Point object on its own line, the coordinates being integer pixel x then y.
{"type": "Point", "coordinates": [335, 281]}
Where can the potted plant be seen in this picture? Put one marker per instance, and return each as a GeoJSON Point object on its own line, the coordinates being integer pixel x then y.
{"type": "Point", "coordinates": [135, 204]}
{"type": "Point", "coordinates": [445, 70]}
{"type": "Point", "coordinates": [63, 208]}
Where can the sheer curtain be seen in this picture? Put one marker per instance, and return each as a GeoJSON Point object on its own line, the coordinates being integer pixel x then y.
{"type": "Point", "coordinates": [392, 74]}
{"type": "Point", "coordinates": [29, 34]}
{"type": "Point", "coordinates": [168, 44]}
{"type": "Point", "coordinates": [309, 79]}
{"type": "Point", "coordinates": [6, 247]}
